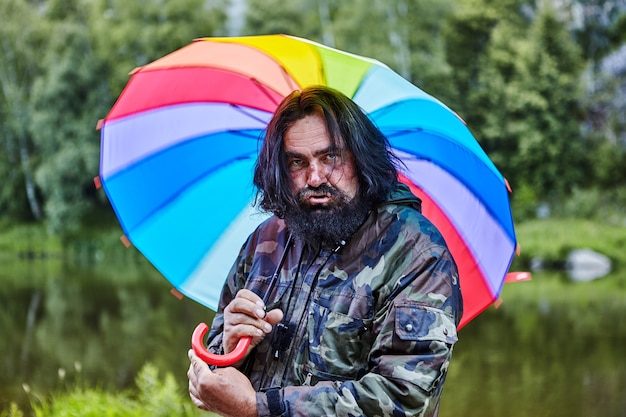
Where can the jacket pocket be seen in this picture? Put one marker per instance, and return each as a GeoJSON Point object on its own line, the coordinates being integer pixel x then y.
{"type": "Point", "coordinates": [420, 323]}
{"type": "Point", "coordinates": [338, 345]}
{"type": "Point", "coordinates": [428, 334]}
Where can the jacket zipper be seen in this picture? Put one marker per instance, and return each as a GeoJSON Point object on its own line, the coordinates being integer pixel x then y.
{"type": "Point", "coordinates": [300, 335]}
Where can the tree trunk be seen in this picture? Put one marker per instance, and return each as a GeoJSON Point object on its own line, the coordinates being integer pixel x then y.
{"type": "Point", "coordinates": [31, 195]}
{"type": "Point", "coordinates": [328, 37]}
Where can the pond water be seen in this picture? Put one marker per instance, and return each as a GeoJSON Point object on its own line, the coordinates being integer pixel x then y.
{"type": "Point", "coordinates": [97, 325]}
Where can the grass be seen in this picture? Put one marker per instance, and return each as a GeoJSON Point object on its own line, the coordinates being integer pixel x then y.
{"type": "Point", "coordinates": [153, 397]}
{"type": "Point", "coordinates": [552, 239]}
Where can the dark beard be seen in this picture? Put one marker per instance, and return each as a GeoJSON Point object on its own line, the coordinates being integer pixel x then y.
{"type": "Point", "coordinates": [327, 224]}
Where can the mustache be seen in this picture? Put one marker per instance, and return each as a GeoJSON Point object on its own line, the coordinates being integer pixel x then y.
{"type": "Point", "coordinates": [323, 189]}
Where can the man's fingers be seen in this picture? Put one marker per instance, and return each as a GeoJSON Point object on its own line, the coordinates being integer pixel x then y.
{"type": "Point", "coordinates": [197, 367]}
{"type": "Point", "coordinates": [248, 295]}
{"type": "Point", "coordinates": [250, 307]}
{"type": "Point", "coordinates": [273, 317]}
{"type": "Point", "coordinates": [254, 303]}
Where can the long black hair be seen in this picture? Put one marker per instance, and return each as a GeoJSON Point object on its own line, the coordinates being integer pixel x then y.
{"type": "Point", "coordinates": [348, 126]}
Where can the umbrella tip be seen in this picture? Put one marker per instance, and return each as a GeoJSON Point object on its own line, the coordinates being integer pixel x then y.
{"type": "Point", "coordinates": [459, 117]}
{"type": "Point", "coordinates": [177, 293]}
{"type": "Point", "coordinates": [508, 186]}
{"type": "Point", "coordinates": [99, 124]}
{"type": "Point", "coordinates": [125, 241]}
{"type": "Point", "coordinates": [97, 182]}
{"type": "Point", "coordinates": [517, 277]}
{"type": "Point", "coordinates": [497, 303]}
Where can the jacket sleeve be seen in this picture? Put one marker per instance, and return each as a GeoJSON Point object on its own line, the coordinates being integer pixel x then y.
{"type": "Point", "coordinates": [415, 332]}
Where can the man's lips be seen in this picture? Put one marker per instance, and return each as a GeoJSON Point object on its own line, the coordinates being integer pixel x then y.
{"type": "Point", "coordinates": [318, 199]}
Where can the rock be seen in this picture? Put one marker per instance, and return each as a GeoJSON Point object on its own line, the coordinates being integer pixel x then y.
{"type": "Point", "coordinates": [587, 265]}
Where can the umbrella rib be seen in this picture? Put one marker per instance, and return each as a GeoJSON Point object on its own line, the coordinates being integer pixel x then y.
{"type": "Point", "coordinates": [264, 90]}
{"type": "Point", "coordinates": [242, 109]}
{"type": "Point", "coordinates": [289, 79]}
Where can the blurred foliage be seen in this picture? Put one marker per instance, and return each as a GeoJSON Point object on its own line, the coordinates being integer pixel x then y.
{"type": "Point", "coordinates": [530, 77]}
{"type": "Point", "coordinates": [152, 396]}
{"type": "Point", "coordinates": [88, 345]}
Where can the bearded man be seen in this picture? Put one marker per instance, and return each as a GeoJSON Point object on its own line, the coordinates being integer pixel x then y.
{"type": "Point", "coordinates": [360, 318]}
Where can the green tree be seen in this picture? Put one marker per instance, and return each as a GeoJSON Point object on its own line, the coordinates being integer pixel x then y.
{"type": "Point", "coordinates": [467, 38]}
{"type": "Point", "coordinates": [551, 153]}
{"type": "Point", "coordinates": [407, 35]}
{"type": "Point", "coordinates": [129, 34]}
{"type": "Point", "coordinates": [404, 34]}
{"type": "Point", "coordinates": [22, 39]}
{"type": "Point", "coordinates": [598, 25]}
{"type": "Point", "coordinates": [296, 17]}
{"type": "Point", "coordinates": [91, 47]}
{"type": "Point", "coordinates": [521, 96]}
{"type": "Point", "coordinates": [67, 100]}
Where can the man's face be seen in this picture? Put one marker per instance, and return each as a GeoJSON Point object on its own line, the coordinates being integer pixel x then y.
{"type": "Point", "coordinates": [321, 175]}
{"type": "Point", "coordinates": [325, 183]}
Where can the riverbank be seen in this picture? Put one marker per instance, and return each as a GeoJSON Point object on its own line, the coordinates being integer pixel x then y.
{"type": "Point", "coordinates": [32, 241]}
{"type": "Point", "coordinates": [549, 240]}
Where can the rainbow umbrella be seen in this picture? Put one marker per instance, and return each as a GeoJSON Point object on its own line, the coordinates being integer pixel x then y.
{"type": "Point", "coordinates": [179, 146]}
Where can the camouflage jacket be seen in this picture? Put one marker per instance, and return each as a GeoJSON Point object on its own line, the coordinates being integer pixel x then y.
{"type": "Point", "coordinates": [371, 323]}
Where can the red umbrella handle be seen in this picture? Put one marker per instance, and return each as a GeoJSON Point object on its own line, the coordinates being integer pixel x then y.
{"type": "Point", "coordinates": [213, 359]}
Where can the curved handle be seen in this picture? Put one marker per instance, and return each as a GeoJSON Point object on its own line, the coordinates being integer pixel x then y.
{"type": "Point", "coordinates": [213, 359]}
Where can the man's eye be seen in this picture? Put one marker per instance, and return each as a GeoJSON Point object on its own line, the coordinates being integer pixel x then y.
{"type": "Point", "coordinates": [295, 164]}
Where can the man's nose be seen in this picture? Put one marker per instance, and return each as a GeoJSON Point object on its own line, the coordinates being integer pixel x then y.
{"type": "Point", "coordinates": [317, 175]}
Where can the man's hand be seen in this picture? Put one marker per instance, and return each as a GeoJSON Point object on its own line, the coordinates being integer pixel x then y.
{"type": "Point", "coordinates": [246, 316]}
{"type": "Point", "coordinates": [225, 391]}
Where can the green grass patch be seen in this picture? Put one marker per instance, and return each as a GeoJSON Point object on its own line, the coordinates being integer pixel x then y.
{"type": "Point", "coordinates": [552, 239]}
{"type": "Point", "coordinates": [152, 397]}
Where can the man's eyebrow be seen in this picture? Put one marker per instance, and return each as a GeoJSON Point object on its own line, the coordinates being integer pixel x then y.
{"type": "Point", "coordinates": [330, 149]}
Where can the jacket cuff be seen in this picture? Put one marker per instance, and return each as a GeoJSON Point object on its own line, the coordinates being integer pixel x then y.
{"type": "Point", "coordinates": [270, 403]}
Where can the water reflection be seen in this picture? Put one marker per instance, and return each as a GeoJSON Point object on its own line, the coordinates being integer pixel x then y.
{"type": "Point", "coordinates": [64, 326]}
{"type": "Point", "coordinates": [553, 349]}
{"type": "Point", "coordinates": [543, 354]}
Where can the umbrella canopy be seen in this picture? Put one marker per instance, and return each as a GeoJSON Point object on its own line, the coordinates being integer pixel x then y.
{"type": "Point", "coordinates": [179, 146]}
